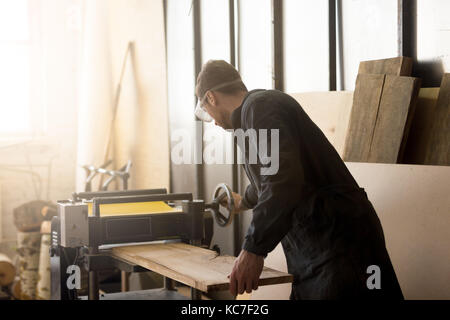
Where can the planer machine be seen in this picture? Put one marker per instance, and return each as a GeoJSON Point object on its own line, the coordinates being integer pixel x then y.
{"type": "Point", "coordinates": [89, 223]}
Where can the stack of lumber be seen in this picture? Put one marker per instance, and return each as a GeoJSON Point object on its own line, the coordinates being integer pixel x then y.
{"type": "Point", "coordinates": [383, 107]}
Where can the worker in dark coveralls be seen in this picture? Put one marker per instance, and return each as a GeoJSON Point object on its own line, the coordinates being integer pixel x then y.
{"type": "Point", "coordinates": [328, 228]}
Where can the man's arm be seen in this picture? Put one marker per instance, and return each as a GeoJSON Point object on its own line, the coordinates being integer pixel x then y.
{"type": "Point", "coordinates": [278, 198]}
{"type": "Point", "coordinates": [250, 198]}
{"type": "Point", "coordinates": [280, 192]}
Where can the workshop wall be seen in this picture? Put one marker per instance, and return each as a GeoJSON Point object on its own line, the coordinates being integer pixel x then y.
{"type": "Point", "coordinates": [42, 165]}
{"type": "Point", "coordinates": [141, 123]}
{"type": "Point", "coordinates": [141, 132]}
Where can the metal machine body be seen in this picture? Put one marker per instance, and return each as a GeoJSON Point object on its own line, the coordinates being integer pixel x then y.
{"type": "Point", "coordinates": [77, 236]}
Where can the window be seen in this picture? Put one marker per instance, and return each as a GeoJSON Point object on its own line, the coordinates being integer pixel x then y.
{"type": "Point", "coordinates": [255, 43]}
{"type": "Point", "coordinates": [16, 67]}
{"type": "Point", "coordinates": [306, 50]}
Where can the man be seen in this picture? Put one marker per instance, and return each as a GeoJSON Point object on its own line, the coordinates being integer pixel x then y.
{"type": "Point", "coordinates": [329, 231]}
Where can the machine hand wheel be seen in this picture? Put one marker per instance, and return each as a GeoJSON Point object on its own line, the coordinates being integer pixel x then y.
{"type": "Point", "coordinates": [214, 206]}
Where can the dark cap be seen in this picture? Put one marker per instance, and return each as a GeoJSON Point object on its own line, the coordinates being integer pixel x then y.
{"type": "Point", "coordinates": [220, 76]}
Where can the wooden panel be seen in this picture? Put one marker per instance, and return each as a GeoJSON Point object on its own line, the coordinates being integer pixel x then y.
{"type": "Point", "coordinates": [363, 116]}
{"type": "Point", "coordinates": [438, 145]}
{"type": "Point", "coordinates": [395, 112]}
{"type": "Point", "coordinates": [419, 133]}
{"type": "Point", "coordinates": [196, 267]}
{"type": "Point", "coordinates": [330, 111]}
{"type": "Point", "coordinates": [381, 115]}
{"type": "Point", "coordinates": [400, 66]}
{"type": "Point", "coordinates": [412, 203]}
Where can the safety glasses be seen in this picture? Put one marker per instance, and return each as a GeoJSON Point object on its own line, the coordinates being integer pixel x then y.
{"type": "Point", "coordinates": [200, 111]}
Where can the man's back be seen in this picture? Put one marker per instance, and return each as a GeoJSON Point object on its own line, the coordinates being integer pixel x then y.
{"type": "Point", "coordinates": [329, 230]}
{"type": "Point", "coordinates": [322, 166]}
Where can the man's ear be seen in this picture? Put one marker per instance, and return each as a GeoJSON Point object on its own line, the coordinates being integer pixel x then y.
{"type": "Point", "coordinates": [211, 98]}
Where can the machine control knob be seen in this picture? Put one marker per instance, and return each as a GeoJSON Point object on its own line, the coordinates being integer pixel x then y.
{"type": "Point", "coordinates": [222, 190]}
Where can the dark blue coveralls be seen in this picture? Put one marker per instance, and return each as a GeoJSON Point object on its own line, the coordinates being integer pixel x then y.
{"type": "Point", "coordinates": [328, 228]}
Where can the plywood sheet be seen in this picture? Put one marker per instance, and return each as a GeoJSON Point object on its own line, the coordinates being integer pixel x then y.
{"type": "Point", "coordinates": [330, 111]}
{"type": "Point", "coordinates": [438, 152]}
{"type": "Point", "coordinates": [196, 267]}
{"type": "Point", "coordinates": [412, 203]}
{"type": "Point", "coordinates": [366, 100]}
{"type": "Point", "coordinates": [399, 66]}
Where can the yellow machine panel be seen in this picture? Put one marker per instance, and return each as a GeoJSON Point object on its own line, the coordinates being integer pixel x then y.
{"type": "Point", "coordinates": [133, 208]}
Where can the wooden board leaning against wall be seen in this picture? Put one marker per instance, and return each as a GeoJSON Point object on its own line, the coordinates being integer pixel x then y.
{"type": "Point", "coordinates": [437, 152]}
{"type": "Point", "coordinates": [330, 111]}
{"type": "Point", "coordinates": [399, 66]}
{"type": "Point", "coordinates": [382, 111]}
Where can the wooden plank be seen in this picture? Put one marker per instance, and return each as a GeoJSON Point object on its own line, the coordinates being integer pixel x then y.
{"type": "Point", "coordinates": [422, 123]}
{"type": "Point", "coordinates": [366, 100]}
{"type": "Point", "coordinates": [395, 113]}
{"type": "Point", "coordinates": [438, 152]}
{"type": "Point", "coordinates": [383, 106]}
{"type": "Point", "coordinates": [399, 66]}
{"type": "Point", "coordinates": [196, 267]}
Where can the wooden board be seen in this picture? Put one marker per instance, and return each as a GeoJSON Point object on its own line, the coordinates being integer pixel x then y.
{"type": "Point", "coordinates": [363, 117]}
{"type": "Point", "coordinates": [399, 66]}
{"type": "Point", "coordinates": [196, 267]}
{"type": "Point", "coordinates": [438, 152]}
{"type": "Point", "coordinates": [395, 112]}
{"type": "Point", "coordinates": [381, 116]}
{"type": "Point", "coordinates": [422, 123]}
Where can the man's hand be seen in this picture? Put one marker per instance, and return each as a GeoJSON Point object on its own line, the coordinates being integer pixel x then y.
{"type": "Point", "coordinates": [238, 205]}
{"type": "Point", "coordinates": [246, 272]}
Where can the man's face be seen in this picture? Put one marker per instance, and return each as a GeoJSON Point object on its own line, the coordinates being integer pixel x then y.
{"type": "Point", "coordinates": [216, 105]}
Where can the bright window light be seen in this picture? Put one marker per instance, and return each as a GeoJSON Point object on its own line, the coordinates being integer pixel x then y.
{"type": "Point", "coordinates": [14, 67]}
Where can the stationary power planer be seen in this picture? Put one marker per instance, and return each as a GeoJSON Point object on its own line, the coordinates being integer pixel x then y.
{"type": "Point", "coordinates": [89, 223]}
